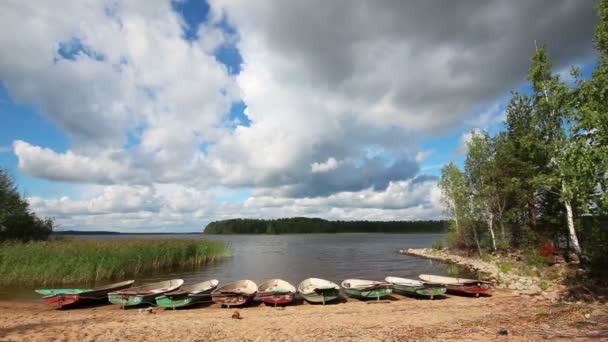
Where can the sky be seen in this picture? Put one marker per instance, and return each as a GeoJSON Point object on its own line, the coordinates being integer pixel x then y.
{"type": "Point", "coordinates": [162, 116]}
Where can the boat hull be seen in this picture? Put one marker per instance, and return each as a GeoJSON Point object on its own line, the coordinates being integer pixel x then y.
{"type": "Point", "coordinates": [232, 299]}
{"type": "Point", "coordinates": [322, 297]}
{"type": "Point", "coordinates": [127, 300]}
{"type": "Point", "coordinates": [276, 297]}
{"type": "Point", "coordinates": [180, 301]}
{"type": "Point", "coordinates": [50, 292]}
{"type": "Point", "coordinates": [468, 289]}
{"type": "Point", "coordinates": [419, 291]}
{"type": "Point", "coordinates": [376, 293]}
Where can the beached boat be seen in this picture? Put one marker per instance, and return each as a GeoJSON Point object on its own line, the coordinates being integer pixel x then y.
{"type": "Point", "coordinates": [234, 294]}
{"type": "Point", "coordinates": [366, 289]}
{"type": "Point", "coordinates": [459, 286]}
{"type": "Point", "coordinates": [317, 290]}
{"type": "Point", "coordinates": [412, 287]}
{"type": "Point", "coordinates": [64, 298]}
{"type": "Point", "coordinates": [188, 295]}
{"type": "Point", "coordinates": [276, 292]}
{"type": "Point", "coordinates": [144, 294]}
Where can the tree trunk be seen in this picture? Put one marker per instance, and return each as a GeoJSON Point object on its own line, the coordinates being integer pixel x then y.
{"type": "Point", "coordinates": [476, 240]}
{"type": "Point", "coordinates": [571, 231]}
{"type": "Point", "coordinates": [532, 212]}
{"type": "Point", "coordinates": [490, 219]}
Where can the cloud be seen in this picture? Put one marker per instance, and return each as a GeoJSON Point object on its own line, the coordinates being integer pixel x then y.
{"type": "Point", "coordinates": [423, 155]}
{"type": "Point", "coordinates": [338, 94]}
{"type": "Point", "coordinates": [170, 208]}
{"type": "Point", "coordinates": [330, 164]}
{"type": "Point", "coordinates": [44, 163]}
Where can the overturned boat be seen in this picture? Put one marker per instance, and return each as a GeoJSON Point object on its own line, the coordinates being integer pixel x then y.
{"type": "Point", "coordinates": [317, 290]}
{"type": "Point", "coordinates": [417, 288]}
{"type": "Point", "coordinates": [237, 293]}
{"type": "Point", "coordinates": [459, 286]}
{"type": "Point", "coordinates": [144, 294]}
{"type": "Point", "coordinates": [366, 289]}
{"type": "Point", "coordinates": [276, 292]}
{"type": "Point", "coordinates": [65, 298]}
{"type": "Point", "coordinates": [188, 295]}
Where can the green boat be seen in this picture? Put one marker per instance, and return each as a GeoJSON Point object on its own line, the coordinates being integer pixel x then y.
{"type": "Point", "coordinates": [366, 289]}
{"type": "Point", "coordinates": [144, 294]}
{"type": "Point", "coordinates": [188, 295]}
{"type": "Point", "coordinates": [50, 292]}
{"type": "Point", "coordinates": [417, 288]}
{"type": "Point", "coordinates": [315, 290]}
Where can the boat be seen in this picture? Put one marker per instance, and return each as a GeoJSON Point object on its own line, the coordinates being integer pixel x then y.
{"type": "Point", "coordinates": [412, 287]}
{"type": "Point", "coordinates": [365, 289]}
{"type": "Point", "coordinates": [237, 293]}
{"type": "Point", "coordinates": [276, 292]}
{"type": "Point", "coordinates": [64, 298]}
{"type": "Point", "coordinates": [187, 295]}
{"type": "Point", "coordinates": [459, 286]}
{"type": "Point", "coordinates": [315, 290]}
{"type": "Point", "coordinates": [144, 294]}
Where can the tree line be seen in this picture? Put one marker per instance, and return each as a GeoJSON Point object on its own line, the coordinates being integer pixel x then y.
{"type": "Point", "coordinates": [303, 225]}
{"type": "Point", "coordinates": [544, 178]}
{"type": "Point", "coordinates": [17, 222]}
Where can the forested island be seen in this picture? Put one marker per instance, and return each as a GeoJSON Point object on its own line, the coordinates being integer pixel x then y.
{"type": "Point", "coordinates": [304, 225]}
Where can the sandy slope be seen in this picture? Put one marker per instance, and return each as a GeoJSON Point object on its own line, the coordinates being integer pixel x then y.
{"type": "Point", "coordinates": [403, 319]}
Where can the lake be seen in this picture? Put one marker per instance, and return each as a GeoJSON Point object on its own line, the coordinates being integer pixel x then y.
{"type": "Point", "coordinates": [294, 258]}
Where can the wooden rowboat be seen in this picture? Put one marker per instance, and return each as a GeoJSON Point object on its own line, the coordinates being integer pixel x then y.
{"type": "Point", "coordinates": [366, 289]}
{"type": "Point", "coordinates": [412, 287]}
{"type": "Point", "coordinates": [234, 294]}
{"type": "Point", "coordinates": [64, 298]}
{"type": "Point", "coordinates": [144, 294]}
{"type": "Point", "coordinates": [317, 290]}
{"type": "Point", "coordinates": [459, 286]}
{"type": "Point", "coordinates": [188, 295]}
{"type": "Point", "coordinates": [276, 292]}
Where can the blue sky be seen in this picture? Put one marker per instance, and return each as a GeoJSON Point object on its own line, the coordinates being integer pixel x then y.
{"type": "Point", "coordinates": [165, 115]}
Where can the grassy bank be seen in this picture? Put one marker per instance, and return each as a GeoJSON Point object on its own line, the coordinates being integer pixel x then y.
{"type": "Point", "coordinates": [80, 261]}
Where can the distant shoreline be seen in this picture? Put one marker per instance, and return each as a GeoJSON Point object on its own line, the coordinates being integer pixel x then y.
{"type": "Point", "coordinates": [306, 225]}
{"type": "Point", "coordinates": [104, 232]}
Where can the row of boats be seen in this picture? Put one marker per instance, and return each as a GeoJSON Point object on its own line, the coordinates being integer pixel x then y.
{"type": "Point", "coordinates": [172, 293]}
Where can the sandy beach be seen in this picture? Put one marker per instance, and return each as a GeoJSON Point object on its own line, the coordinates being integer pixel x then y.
{"type": "Point", "coordinates": [400, 319]}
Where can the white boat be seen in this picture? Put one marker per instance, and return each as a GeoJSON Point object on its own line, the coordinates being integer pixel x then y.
{"type": "Point", "coordinates": [239, 292]}
{"type": "Point", "coordinates": [364, 289]}
{"type": "Point", "coordinates": [459, 286]}
{"type": "Point", "coordinates": [276, 291]}
{"type": "Point", "coordinates": [317, 290]}
{"type": "Point", "coordinates": [412, 287]}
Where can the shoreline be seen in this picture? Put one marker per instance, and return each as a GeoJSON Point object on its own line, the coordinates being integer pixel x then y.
{"type": "Point", "coordinates": [521, 285]}
{"type": "Point", "coordinates": [399, 319]}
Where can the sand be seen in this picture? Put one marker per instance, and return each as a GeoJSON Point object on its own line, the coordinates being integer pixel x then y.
{"type": "Point", "coordinates": [401, 319]}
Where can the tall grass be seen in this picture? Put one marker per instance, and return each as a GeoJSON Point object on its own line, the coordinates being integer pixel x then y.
{"type": "Point", "coordinates": [79, 261]}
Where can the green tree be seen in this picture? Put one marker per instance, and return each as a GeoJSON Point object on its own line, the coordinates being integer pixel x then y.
{"type": "Point", "coordinates": [17, 222]}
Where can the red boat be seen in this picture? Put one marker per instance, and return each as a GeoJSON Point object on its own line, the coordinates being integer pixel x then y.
{"type": "Point", "coordinates": [460, 286]}
{"type": "Point", "coordinates": [472, 289]}
{"type": "Point", "coordinates": [234, 294]}
{"type": "Point", "coordinates": [65, 298]}
{"type": "Point", "coordinates": [276, 292]}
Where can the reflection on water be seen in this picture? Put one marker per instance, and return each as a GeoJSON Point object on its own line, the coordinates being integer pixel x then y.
{"type": "Point", "coordinates": [295, 257]}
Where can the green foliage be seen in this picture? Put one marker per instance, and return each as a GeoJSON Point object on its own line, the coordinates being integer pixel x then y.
{"type": "Point", "coordinates": [17, 222]}
{"type": "Point", "coordinates": [90, 261]}
{"type": "Point", "coordinates": [545, 177]}
{"type": "Point", "coordinates": [303, 225]}
{"type": "Point", "coordinates": [535, 260]}
{"type": "Point", "coordinates": [438, 244]}
{"type": "Point", "coordinates": [504, 266]}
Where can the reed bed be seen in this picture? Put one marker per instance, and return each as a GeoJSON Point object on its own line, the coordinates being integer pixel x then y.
{"type": "Point", "coordinates": [78, 260]}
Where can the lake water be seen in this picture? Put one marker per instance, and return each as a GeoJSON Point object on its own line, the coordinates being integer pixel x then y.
{"type": "Point", "coordinates": [296, 257]}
